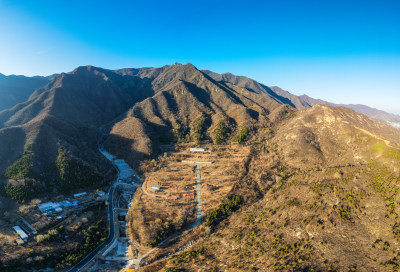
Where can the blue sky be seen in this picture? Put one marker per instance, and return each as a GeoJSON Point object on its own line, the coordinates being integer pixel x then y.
{"type": "Point", "coordinates": [341, 51]}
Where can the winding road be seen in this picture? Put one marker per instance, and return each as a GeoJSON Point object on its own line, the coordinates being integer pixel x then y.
{"type": "Point", "coordinates": [111, 235]}
{"type": "Point", "coordinates": [111, 220]}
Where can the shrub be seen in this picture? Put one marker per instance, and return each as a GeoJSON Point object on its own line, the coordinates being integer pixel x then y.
{"type": "Point", "coordinates": [241, 136]}
{"type": "Point", "coordinates": [93, 238]}
{"type": "Point", "coordinates": [52, 235]}
{"type": "Point", "coordinates": [185, 257]}
{"type": "Point", "coordinates": [198, 129]}
{"type": "Point", "coordinates": [21, 168]}
{"type": "Point", "coordinates": [221, 132]}
{"type": "Point", "coordinates": [228, 205]}
{"type": "Point", "coordinates": [73, 174]}
{"type": "Point", "coordinates": [181, 133]}
{"type": "Point", "coordinates": [22, 191]}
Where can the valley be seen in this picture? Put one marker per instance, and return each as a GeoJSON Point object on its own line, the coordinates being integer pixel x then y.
{"type": "Point", "coordinates": [232, 175]}
{"type": "Point", "coordinates": [199, 136]}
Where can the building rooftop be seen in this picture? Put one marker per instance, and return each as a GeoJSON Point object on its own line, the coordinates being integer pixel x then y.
{"type": "Point", "coordinates": [20, 232]}
{"type": "Point", "coordinates": [19, 241]}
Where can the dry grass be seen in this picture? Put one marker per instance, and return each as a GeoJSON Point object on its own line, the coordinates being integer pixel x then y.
{"type": "Point", "coordinates": [176, 200]}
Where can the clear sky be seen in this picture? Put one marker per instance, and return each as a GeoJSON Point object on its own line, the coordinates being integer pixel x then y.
{"type": "Point", "coordinates": [343, 51]}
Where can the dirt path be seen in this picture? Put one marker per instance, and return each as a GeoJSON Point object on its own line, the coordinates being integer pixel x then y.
{"type": "Point", "coordinates": [140, 259]}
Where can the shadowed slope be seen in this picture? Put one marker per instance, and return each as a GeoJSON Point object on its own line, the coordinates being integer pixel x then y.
{"type": "Point", "coordinates": [184, 95]}
{"type": "Point", "coordinates": [87, 96]}
{"type": "Point", "coordinates": [321, 194]}
{"type": "Point", "coordinates": [17, 89]}
{"type": "Point", "coordinates": [298, 102]}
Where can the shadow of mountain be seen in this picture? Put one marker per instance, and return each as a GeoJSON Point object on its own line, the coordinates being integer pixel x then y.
{"type": "Point", "coordinates": [121, 147]}
{"type": "Point", "coordinates": [12, 141]}
{"type": "Point", "coordinates": [284, 100]}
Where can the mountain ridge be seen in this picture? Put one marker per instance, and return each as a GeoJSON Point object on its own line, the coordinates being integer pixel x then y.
{"type": "Point", "coordinates": [302, 101]}
{"type": "Point", "coordinates": [286, 182]}
{"type": "Point", "coordinates": [16, 89]}
{"type": "Point", "coordinates": [90, 96]}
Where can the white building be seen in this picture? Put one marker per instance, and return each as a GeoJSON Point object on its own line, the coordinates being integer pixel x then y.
{"type": "Point", "coordinates": [21, 233]}
{"type": "Point", "coordinates": [101, 193]}
{"type": "Point", "coordinates": [155, 188]}
{"type": "Point", "coordinates": [199, 150]}
{"type": "Point", "coordinates": [19, 241]}
{"type": "Point", "coordinates": [48, 206]}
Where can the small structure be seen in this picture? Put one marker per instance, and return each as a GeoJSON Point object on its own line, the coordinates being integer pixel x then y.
{"type": "Point", "coordinates": [48, 207]}
{"type": "Point", "coordinates": [199, 150]}
{"type": "Point", "coordinates": [19, 241]}
{"type": "Point", "coordinates": [26, 226]}
{"type": "Point", "coordinates": [21, 233]}
{"type": "Point", "coordinates": [65, 204]}
{"type": "Point", "coordinates": [101, 193]}
{"type": "Point", "coordinates": [80, 195]}
{"type": "Point", "coordinates": [155, 188]}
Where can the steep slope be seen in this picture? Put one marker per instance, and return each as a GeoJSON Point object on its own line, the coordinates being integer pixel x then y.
{"type": "Point", "coordinates": [57, 128]}
{"type": "Point", "coordinates": [88, 96]}
{"type": "Point", "coordinates": [314, 189]}
{"type": "Point", "coordinates": [190, 106]}
{"type": "Point", "coordinates": [325, 197]}
{"type": "Point", "coordinates": [13, 141]}
{"type": "Point", "coordinates": [252, 85]}
{"type": "Point", "coordinates": [85, 98]}
{"type": "Point", "coordinates": [49, 156]}
{"type": "Point", "coordinates": [17, 89]}
{"type": "Point", "coordinates": [304, 101]}
{"type": "Point", "coordinates": [325, 136]}
{"type": "Point", "coordinates": [298, 102]}
{"type": "Point", "coordinates": [374, 113]}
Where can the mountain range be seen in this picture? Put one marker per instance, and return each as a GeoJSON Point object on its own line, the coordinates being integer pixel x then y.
{"type": "Point", "coordinates": [304, 101]}
{"type": "Point", "coordinates": [314, 168]}
{"type": "Point", "coordinates": [143, 108]}
{"type": "Point", "coordinates": [17, 89]}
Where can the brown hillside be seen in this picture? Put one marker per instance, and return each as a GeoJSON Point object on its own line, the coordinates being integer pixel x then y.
{"type": "Point", "coordinates": [326, 136]}
{"type": "Point", "coordinates": [188, 102]}
{"type": "Point", "coordinates": [88, 96]}
{"type": "Point", "coordinates": [324, 197]}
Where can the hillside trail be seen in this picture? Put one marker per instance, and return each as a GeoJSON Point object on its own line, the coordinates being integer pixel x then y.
{"type": "Point", "coordinates": [138, 261]}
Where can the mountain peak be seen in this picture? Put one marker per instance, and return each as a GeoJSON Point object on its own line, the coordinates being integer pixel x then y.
{"type": "Point", "coordinates": [86, 68]}
{"type": "Point", "coordinates": [184, 66]}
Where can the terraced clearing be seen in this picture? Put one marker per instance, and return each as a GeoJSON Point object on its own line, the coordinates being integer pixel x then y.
{"type": "Point", "coordinates": [157, 214]}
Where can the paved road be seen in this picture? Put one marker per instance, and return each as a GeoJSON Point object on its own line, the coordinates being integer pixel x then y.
{"type": "Point", "coordinates": [111, 234]}
{"type": "Point", "coordinates": [112, 225]}
{"type": "Point", "coordinates": [109, 240]}
{"type": "Point", "coordinates": [198, 188]}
